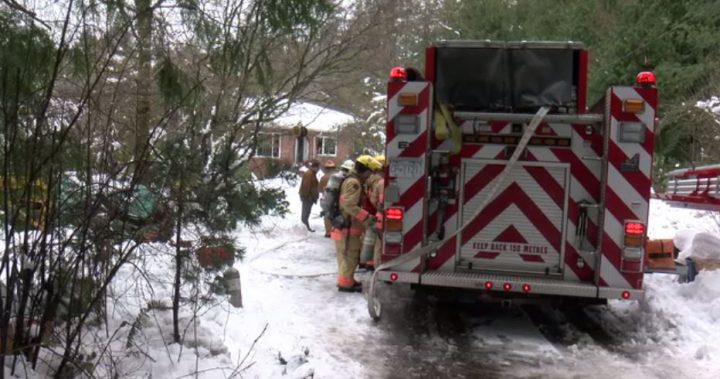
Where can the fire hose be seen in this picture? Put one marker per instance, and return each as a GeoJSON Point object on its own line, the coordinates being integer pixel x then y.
{"type": "Point", "coordinates": [374, 306]}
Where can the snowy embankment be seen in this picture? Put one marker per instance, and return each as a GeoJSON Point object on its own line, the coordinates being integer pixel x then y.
{"type": "Point", "coordinates": [681, 319]}
{"type": "Point", "coordinates": [294, 323]}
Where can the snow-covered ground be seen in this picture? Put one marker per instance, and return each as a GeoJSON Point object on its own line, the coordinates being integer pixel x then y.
{"type": "Point", "coordinates": [294, 324]}
{"type": "Point", "coordinates": [289, 293]}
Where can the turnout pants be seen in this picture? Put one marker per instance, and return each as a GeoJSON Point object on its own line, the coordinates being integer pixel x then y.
{"type": "Point", "coordinates": [348, 255]}
{"type": "Point", "coordinates": [328, 225]}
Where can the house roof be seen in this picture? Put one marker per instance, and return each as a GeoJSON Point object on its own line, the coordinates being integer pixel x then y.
{"type": "Point", "coordinates": [314, 117]}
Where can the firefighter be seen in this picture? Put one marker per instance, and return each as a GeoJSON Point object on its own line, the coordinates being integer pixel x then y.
{"type": "Point", "coordinates": [347, 166]}
{"type": "Point", "coordinates": [328, 170]}
{"type": "Point", "coordinates": [373, 191]}
{"type": "Point", "coordinates": [347, 237]}
{"type": "Point", "coordinates": [377, 197]}
{"type": "Point", "coordinates": [309, 192]}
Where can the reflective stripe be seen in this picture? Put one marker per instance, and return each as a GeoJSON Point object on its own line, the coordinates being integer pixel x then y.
{"type": "Point", "coordinates": [362, 215]}
{"type": "Point", "coordinates": [345, 282]}
{"type": "Point", "coordinates": [337, 234]}
{"type": "Point", "coordinates": [340, 234]}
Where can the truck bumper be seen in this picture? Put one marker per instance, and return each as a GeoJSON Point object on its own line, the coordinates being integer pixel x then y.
{"type": "Point", "coordinates": [510, 284]}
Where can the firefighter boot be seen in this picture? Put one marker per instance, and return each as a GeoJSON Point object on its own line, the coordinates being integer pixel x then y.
{"type": "Point", "coordinates": [356, 287]}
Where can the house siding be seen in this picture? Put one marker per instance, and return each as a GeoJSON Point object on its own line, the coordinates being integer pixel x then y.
{"type": "Point", "coordinates": [263, 166]}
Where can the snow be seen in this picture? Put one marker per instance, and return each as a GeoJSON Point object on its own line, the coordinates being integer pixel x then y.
{"type": "Point", "coordinates": [314, 117]}
{"type": "Point", "coordinates": [711, 105]}
{"type": "Point", "coordinates": [695, 233]}
{"type": "Point", "coordinates": [294, 324]}
{"type": "Point", "coordinates": [288, 286]}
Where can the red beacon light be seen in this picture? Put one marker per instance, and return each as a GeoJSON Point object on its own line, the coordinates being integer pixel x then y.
{"type": "Point", "coordinates": [645, 79]}
{"type": "Point", "coordinates": [398, 74]}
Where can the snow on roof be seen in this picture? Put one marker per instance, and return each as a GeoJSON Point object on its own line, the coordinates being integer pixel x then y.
{"type": "Point", "coordinates": [314, 117]}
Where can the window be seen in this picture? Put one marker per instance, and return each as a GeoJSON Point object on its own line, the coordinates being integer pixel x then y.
{"type": "Point", "coordinates": [326, 146]}
{"type": "Point", "coordinates": [268, 145]}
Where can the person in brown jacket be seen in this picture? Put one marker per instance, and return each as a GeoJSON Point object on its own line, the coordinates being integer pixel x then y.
{"type": "Point", "coordinates": [329, 170]}
{"type": "Point", "coordinates": [309, 192]}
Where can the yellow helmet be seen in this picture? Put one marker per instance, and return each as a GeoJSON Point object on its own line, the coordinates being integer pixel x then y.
{"type": "Point", "coordinates": [381, 159]}
{"type": "Point", "coordinates": [367, 161]}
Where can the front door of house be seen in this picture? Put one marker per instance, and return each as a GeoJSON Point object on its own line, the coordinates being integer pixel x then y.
{"type": "Point", "coordinates": [302, 149]}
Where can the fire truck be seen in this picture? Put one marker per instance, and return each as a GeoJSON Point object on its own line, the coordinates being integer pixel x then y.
{"type": "Point", "coordinates": [502, 179]}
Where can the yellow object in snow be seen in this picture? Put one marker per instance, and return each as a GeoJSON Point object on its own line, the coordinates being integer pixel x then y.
{"type": "Point", "coordinates": [445, 127]}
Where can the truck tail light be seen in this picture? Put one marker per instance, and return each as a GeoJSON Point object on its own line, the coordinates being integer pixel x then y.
{"type": "Point", "coordinates": [634, 234]}
{"type": "Point", "coordinates": [394, 219]}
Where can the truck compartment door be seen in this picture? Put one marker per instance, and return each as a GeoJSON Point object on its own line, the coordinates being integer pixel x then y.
{"type": "Point", "coordinates": [522, 228]}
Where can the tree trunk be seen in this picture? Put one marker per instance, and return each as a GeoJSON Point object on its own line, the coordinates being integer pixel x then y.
{"type": "Point", "coordinates": [143, 81]}
{"type": "Point", "coordinates": [178, 261]}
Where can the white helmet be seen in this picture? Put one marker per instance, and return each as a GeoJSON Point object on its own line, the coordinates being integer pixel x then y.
{"type": "Point", "coordinates": [348, 165]}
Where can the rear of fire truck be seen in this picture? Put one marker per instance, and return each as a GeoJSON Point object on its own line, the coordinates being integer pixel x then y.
{"type": "Point", "coordinates": [501, 180]}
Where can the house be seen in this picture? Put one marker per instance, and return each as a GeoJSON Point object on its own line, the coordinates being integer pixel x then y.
{"type": "Point", "coordinates": [281, 146]}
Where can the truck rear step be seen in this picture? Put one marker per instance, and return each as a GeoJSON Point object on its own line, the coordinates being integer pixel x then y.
{"type": "Point", "coordinates": [517, 284]}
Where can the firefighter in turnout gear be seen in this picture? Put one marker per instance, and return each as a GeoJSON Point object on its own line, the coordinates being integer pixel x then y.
{"type": "Point", "coordinates": [329, 170]}
{"type": "Point", "coordinates": [309, 192]}
{"type": "Point", "coordinates": [376, 194]}
{"type": "Point", "coordinates": [356, 219]}
{"type": "Point", "coordinates": [373, 192]}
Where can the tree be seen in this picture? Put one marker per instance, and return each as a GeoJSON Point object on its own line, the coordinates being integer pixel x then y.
{"type": "Point", "coordinates": [71, 106]}
{"type": "Point", "coordinates": [678, 40]}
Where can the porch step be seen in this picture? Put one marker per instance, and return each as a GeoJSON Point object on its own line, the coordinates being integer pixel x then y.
{"type": "Point", "coordinates": [537, 285]}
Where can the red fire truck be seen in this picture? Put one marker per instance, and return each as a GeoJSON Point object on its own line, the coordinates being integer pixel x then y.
{"type": "Point", "coordinates": [501, 178]}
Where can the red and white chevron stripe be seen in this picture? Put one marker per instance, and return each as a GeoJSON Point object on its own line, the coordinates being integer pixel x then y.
{"type": "Point", "coordinates": [584, 181]}
{"type": "Point", "coordinates": [627, 191]}
{"type": "Point", "coordinates": [413, 148]}
{"type": "Point", "coordinates": [520, 228]}
{"type": "Point", "coordinates": [624, 193]}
